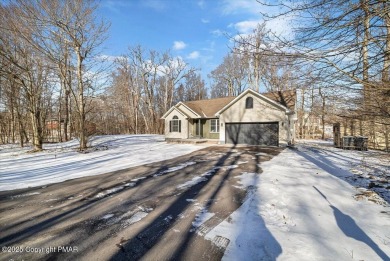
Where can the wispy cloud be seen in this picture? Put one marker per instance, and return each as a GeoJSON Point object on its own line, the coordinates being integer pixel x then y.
{"type": "Point", "coordinates": [237, 6]}
{"type": "Point", "coordinates": [194, 55]}
{"type": "Point", "coordinates": [115, 5]}
{"type": "Point", "coordinates": [110, 58]}
{"type": "Point", "coordinates": [155, 4]}
{"type": "Point", "coordinates": [179, 45]}
{"type": "Point", "coordinates": [210, 48]}
{"type": "Point", "coordinates": [205, 21]}
{"type": "Point", "coordinates": [217, 32]}
{"type": "Point", "coordinates": [201, 4]}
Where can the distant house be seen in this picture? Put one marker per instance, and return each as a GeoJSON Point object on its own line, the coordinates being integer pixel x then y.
{"type": "Point", "coordinates": [54, 130]}
{"type": "Point", "coordinates": [250, 118]}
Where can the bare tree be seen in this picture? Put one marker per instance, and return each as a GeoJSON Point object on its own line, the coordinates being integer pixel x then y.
{"type": "Point", "coordinates": [145, 85]}
{"type": "Point", "coordinates": [230, 75]}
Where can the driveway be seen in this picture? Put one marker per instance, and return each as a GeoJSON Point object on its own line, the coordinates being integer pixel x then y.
{"type": "Point", "coordinates": [157, 211]}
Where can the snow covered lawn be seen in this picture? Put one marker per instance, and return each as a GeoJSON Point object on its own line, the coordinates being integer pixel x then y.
{"type": "Point", "coordinates": [304, 206]}
{"type": "Point", "coordinates": [60, 162]}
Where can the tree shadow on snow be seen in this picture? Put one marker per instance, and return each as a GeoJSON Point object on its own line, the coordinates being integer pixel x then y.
{"type": "Point", "coordinates": [349, 227]}
{"type": "Point", "coordinates": [254, 241]}
{"type": "Point", "coordinates": [327, 165]}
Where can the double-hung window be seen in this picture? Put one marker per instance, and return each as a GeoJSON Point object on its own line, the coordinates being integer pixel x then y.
{"type": "Point", "coordinates": [214, 126]}
{"type": "Point", "coordinates": [175, 124]}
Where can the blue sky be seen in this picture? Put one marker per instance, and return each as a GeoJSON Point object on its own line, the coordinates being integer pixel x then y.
{"type": "Point", "coordinates": [191, 29]}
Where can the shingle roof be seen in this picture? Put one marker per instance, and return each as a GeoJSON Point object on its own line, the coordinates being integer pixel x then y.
{"type": "Point", "coordinates": [286, 98]}
{"type": "Point", "coordinates": [208, 108]}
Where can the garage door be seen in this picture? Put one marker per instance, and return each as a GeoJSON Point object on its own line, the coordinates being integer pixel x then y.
{"type": "Point", "coordinates": [253, 133]}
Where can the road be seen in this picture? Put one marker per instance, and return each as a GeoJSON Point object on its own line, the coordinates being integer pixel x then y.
{"type": "Point", "coordinates": [158, 211]}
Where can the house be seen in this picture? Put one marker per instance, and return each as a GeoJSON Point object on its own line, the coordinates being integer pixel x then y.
{"type": "Point", "coordinates": [54, 130]}
{"type": "Point", "coordinates": [250, 118]}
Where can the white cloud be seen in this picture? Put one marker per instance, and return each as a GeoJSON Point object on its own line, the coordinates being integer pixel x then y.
{"type": "Point", "coordinates": [279, 26]}
{"type": "Point", "coordinates": [245, 27]}
{"type": "Point", "coordinates": [193, 55]}
{"type": "Point", "coordinates": [179, 45]}
{"type": "Point", "coordinates": [235, 6]}
{"type": "Point", "coordinates": [205, 21]}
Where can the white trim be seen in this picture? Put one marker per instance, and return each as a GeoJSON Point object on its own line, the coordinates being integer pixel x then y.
{"type": "Point", "coordinates": [181, 103]}
{"type": "Point", "coordinates": [217, 125]}
{"type": "Point", "coordinates": [170, 110]}
{"type": "Point", "coordinates": [255, 94]}
{"type": "Point", "coordinates": [177, 121]}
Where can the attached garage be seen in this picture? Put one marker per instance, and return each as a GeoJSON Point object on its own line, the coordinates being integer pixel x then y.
{"type": "Point", "coordinates": [257, 133]}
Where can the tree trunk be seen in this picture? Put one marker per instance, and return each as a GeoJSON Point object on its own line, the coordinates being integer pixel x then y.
{"type": "Point", "coordinates": [386, 61]}
{"type": "Point", "coordinates": [80, 101]}
{"type": "Point", "coordinates": [37, 129]}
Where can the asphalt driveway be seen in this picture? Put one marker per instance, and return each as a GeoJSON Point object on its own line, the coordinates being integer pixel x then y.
{"type": "Point", "coordinates": [158, 211]}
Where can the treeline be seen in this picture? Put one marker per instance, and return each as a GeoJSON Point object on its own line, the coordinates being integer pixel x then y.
{"type": "Point", "coordinates": [335, 53]}
{"type": "Point", "coordinates": [145, 84]}
{"type": "Point", "coordinates": [49, 68]}
{"type": "Point", "coordinates": [55, 85]}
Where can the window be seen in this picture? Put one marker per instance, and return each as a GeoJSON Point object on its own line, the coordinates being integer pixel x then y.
{"type": "Point", "coordinates": [175, 124]}
{"type": "Point", "coordinates": [214, 126]}
{"type": "Point", "coordinates": [249, 103]}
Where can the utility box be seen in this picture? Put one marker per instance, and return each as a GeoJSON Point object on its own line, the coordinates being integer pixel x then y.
{"type": "Point", "coordinates": [361, 143]}
{"type": "Point", "coordinates": [354, 142]}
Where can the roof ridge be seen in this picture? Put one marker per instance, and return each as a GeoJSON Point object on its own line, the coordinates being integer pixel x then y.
{"type": "Point", "coordinates": [212, 99]}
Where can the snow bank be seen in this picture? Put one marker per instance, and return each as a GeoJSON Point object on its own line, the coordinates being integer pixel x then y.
{"type": "Point", "coordinates": [301, 208]}
{"type": "Point", "coordinates": [60, 162]}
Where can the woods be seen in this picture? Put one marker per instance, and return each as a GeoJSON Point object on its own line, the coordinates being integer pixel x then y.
{"type": "Point", "coordinates": [48, 51]}
{"type": "Point", "coordinates": [56, 84]}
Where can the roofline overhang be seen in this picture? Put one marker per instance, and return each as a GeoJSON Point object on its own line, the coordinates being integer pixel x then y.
{"type": "Point", "coordinates": [171, 109]}
{"type": "Point", "coordinates": [259, 95]}
{"type": "Point", "coordinates": [182, 103]}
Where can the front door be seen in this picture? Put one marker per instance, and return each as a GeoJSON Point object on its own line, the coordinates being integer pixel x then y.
{"type": "Point", "coordinates": [198, 128]}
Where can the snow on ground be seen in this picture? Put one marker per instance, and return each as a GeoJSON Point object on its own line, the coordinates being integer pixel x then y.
{"type": "Point", "coordinates": [192, 182]}
{"type": "Point", "coordinates": [200, 218]}
{"type": "Point", "coordinates": [362, 169]}
{"type": "Point", "coordinates": [172, 169]}
{"type": "Point", "coordinates": [60, 162]}
{"type": "Point", "coordinates": [302, 207]}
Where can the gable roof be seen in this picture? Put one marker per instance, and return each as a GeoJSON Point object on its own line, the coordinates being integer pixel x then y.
{"type": "Point", "coordinates": [276, 104]}
{"type": "Point", "coordinates": [188, 108]}
{"type": "Point", "coordinates": [208, 108]}
{"type": "Point", "coordinates": [176, 109]}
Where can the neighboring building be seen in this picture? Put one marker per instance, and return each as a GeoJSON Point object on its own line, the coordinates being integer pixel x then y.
{"type": "Point", "coordinates": [54, 133]}
{"type": "Point", "coordinates": [250, 118]}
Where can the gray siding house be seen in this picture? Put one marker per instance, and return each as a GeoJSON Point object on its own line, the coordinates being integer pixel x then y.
{"type": "Point", "coordinates": [250, 118]}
